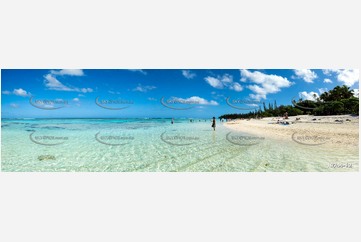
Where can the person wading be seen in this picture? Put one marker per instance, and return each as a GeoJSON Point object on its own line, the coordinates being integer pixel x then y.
{"type": "Point", "coordinates": [214, 123]}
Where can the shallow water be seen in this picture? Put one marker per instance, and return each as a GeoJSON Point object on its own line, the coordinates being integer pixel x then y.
{"type": "Point", "coordinates": [157, 145]}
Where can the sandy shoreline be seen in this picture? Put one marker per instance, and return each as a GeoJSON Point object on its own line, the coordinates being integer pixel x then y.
{"type": "Point", "coordinates": [331, 130]}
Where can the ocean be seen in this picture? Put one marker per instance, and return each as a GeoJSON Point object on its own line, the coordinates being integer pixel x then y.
{"type": "Point", "coordinates": [156, 145]}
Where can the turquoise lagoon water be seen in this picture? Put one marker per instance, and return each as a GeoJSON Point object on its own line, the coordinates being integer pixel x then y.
{"type": "Point", "coordinates": [138, 145]}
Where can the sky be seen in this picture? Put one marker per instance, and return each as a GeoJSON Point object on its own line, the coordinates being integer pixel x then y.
{"type": "Point", "coordinates": [159, 93]}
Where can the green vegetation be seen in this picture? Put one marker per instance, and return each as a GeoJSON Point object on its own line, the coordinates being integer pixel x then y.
{"type": "Point", "coordinates": [340, 100]}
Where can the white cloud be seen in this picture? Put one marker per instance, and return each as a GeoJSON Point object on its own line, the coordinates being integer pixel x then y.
{"type": "Point", "coordinates": [21, 92]}
{"type": "Point", "coordinates": [54, 84]}
{"type": "Point", "coordinates": [308, 95]}
{"type": "Point", "coordinates": [76, 99]}
{"type": "Point", "coordinates": [84, 90]}
{"type": "Point", "coordinates": [306, 74]}
{"type": "Point", "coordinates": [225, 81]}
{"type": "Point", "coordinates": [260, 92]}
{"type": "Point", "coordinates": [265, 84]}
{"type": "Point", "coordinates": [152, 99]}
{"type": "Point", "coordinates": [14, 105]}
{"type": "Point", "coordinates": [141, 88]}
{"type": "Point", "coordinates": [328, 72]}
{"type": "Point", "coordinates": [347, 77]}
{"type": "Point", "coordinates": [18, 92]}
{"type": "Point", "coordinates": [236, 87]}
{"type": "Point", "coordinates": [327, 80]}
{"type": "Point", "coordinates": [188, 74]}
{"type": "Point", "coordinates": [214, 82]}
{"type": "Point", "coordinates": [356, 92]}
{"type": "Point", "coordinates": [322, 90]}
{"type": "Point", "coordinates": [69, 72]}
{"type": "Point", "coordinates": [195, 100]}
{"type": "Point", "coordinates": [139, 70]}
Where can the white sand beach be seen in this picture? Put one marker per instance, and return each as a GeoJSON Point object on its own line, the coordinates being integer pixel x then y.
{"type": "Point", "coordinates": [337, 129]}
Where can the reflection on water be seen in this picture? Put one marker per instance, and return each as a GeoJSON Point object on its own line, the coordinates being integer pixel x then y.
{"type": "Point", "coordinates": [214, 137]}
{"type": "Point", "coordinates": [137, 145]}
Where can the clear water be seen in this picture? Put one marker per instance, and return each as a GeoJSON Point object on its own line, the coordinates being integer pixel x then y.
{"type": "Point", "coordinates": [137, 145]}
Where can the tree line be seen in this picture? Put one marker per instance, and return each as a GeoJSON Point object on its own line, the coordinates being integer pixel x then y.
{"type": "Point", "coordinates": [340, 100]}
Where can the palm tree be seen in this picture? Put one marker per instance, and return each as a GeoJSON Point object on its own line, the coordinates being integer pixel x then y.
{"type": "Point", "coordinates": [314, 96]}
{"type": "Point", "coordinates": [346, 92]}
{"type": "Point", "coordinates": [337, 94]}
{"type": "Point", "coordinates": [325, 96]}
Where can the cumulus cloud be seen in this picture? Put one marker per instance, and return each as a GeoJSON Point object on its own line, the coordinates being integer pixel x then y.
{"type": "Point", "coordinates": [312, 96]}
{"type": "Point", "coordinates": [236, 87]}
{"type": "Point", "coordinates": [195, 100]}
{"type": "Point", "coordinates": [347, 77]}
{"type": "Point", "coordinates": [52, 83]}
{"type": "Point", "coordinates": [68, 72]}
{"type": "Point", "coordinates": [328, 72]}
{"type": "Point", "coordinates": [76, 99]}
{"type": "Point", "coordinates": [21, 92]}
{"type": "Point", "coordinates": [18, 92]}
{"type": "Point", "coordinates": [188, 74]}
{"type": "Point", "coordinates": [327, 80]}
{"type": "Point", "coordinates": [259, 92]}
{"type": "Point", "coordinates": [141, 88]}
{"type": "Point", "coordinates": [306, 74]}
{"type": "Point", "coordinates": [222, 82]}
{"type": "Point", "coordinates": [263, 83]}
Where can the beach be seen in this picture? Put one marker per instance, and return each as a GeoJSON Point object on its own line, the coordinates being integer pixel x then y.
{"type": "Point", "coordinates": [338, 130]}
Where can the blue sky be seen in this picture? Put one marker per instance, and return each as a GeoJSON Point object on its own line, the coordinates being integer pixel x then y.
{"type": "Point", "coordinates": [199, 93]}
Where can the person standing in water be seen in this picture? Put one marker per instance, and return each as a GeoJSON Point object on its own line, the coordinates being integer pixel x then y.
{"type": "Point", "coordinates": [214, 123]}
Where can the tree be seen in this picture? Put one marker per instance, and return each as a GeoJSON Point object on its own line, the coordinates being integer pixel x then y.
{"type": "Point", "coordinates": [337, 94]}
{"type": "Point", "coordinates": [264, 107]}
{"type": "Point", "coordinates": [339, 100]}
